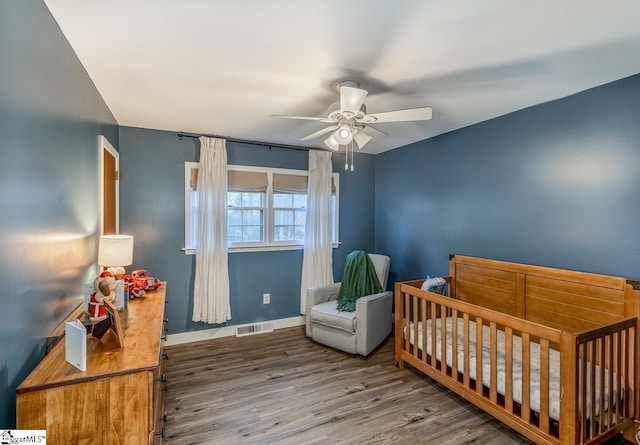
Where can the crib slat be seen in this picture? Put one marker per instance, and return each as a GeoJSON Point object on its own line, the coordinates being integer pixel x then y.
{"type": "Point", "coordinates": [609, 345]}
{"type": "Point", "coordinates": [407, 323]}
{"type": "Point", "coordinates": [443, 340]}
{"type": "Point", "coordinates": [624, 369]}
{"type": "Point", "coordinates": [526, 374]}
{"type": "Point", "coordinates": [423, 314]}
{"type": "Point", "coordinates": [433, 335]}
{"type": "Point", "coordinates": [454, 344]}
{"type": "Point", "coordinates": [493, 351]}
{"type": "Point", "coordinates": [465, 330]}
{"type": "Point", "coordinates": [416, 313]}
{"type": "Point", "coordinates": [544, 385]}
{"type": "Point", "coordinates": [508, 369]}
{"type": "Point", "coordinates": [618, 368]}
{"type": "Point", "coordinates": [583, 392]}
{"type": "Point", "coordinates": [633, 371]}
{"type": "Point", "coordinates": [591, 352]}
{"type": "Point", "coordinates": [601, 392]}
{"type": "Point", "coordinates": [479, 347]}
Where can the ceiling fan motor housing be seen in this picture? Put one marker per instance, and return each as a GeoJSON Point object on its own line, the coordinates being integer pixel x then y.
{"type": "Point", "coordinates": [335, 115]}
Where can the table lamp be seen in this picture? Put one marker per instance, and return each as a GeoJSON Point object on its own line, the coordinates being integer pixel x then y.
{"type": "Point", "coordinates": [115, 252]}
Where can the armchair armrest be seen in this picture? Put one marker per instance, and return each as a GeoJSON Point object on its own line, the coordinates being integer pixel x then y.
{"type": "Point", "coordinates": [373, 320]}
{"type": "Point", "coordinates": [317, 295]}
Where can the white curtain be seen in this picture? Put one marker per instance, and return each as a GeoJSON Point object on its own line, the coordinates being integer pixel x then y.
{"type": "Point", "coordinates": [211, 285]}
{"type": "Point", "coordinates": [317, 263]}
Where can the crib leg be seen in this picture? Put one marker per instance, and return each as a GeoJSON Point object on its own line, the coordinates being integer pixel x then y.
{"type": "Point", "coordinates": [630, 433]}
{"type": "Point", "coordinates": [400, 364]}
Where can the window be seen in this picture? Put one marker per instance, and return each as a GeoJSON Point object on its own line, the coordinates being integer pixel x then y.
{"type": "Point", "coordinates": [245, 217]}
{"type": "Point", "coordinates": [266, 208]}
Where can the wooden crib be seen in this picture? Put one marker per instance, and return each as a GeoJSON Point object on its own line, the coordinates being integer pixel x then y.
{"type": "Point", "coordinates": [530, 321]}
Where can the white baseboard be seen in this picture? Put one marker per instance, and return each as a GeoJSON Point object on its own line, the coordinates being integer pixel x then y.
{"type": "Point", "coordinates": [227, 331]}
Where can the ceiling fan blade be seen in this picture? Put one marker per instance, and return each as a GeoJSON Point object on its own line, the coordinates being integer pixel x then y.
{"type": "Point", "coordinates": [411, 114]}
{"type": "Point", "coordinates": [319, 133]}
{"type": "Point", "coordinates": [351, 100]}
{"type": "Point", "coordinates": [319, 119]}
{"type": "Point", "coordinates": [361, 138]}
{"type": "Point", "coordinates": [375, 132]}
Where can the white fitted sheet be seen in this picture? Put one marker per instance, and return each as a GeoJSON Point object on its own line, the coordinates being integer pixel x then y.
{"type": "Point", "coordinates": [534, 393]}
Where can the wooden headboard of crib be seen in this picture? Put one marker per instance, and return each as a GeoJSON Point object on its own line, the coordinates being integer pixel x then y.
{"type": "Point", "coordinates": [564, 299]}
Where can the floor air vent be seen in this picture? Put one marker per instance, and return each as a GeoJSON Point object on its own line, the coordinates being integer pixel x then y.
{"type": "Point", "coordinates": [252, 329]}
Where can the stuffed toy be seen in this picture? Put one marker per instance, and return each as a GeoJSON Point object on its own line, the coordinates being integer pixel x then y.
{"type": "Point", "coordinates": [104, 285]}
{"type": "Point", "coordinates": [118, 272]}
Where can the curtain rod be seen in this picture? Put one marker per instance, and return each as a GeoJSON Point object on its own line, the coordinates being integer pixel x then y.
{"type": "Point", "coordinates": [244, 141]}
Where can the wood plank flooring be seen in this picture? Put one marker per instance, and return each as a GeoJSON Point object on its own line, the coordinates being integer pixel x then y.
{"type": "Point", "coordinates": [281, 388]}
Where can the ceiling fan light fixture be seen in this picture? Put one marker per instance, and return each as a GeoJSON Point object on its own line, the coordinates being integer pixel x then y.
{"type": "Point", "coordinates": [361, 138]}
{"type": "Point", "coordinates": [343, 135]}
{"type": "Point", "coordinates": [332, 143]}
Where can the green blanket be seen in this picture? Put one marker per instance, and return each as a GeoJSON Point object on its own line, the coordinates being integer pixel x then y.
{"type": "Point", "coordinates": [359, 279]}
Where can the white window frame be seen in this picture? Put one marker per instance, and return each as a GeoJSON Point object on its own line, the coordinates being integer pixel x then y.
{"type": "Point", "coordinates": [268, 243]}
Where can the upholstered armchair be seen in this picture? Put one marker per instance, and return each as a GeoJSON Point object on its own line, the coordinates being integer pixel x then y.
{"type": "Point", "coordinates": [358, 332]}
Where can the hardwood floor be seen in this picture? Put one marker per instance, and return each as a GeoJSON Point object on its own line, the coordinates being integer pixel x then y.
{"type": "Point", "coordinates": [283, 388]}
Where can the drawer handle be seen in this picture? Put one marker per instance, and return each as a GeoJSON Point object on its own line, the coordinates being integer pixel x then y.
{"type": "Point", "coordinates": [161, 432]}
{"type": "Point", "coordinates": [166, 388]}
{"type": "Point", "coordinates": [162, 378]}
{"type": "Point", "coordinates": [165, 356]}
{"type": "Point", "coordinates": [166, 320]}
{"type": "Point", "coordinates": [164, 337]}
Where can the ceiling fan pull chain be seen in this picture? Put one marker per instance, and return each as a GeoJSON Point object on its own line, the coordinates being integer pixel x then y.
{"type": "Point", "coordinates": [351, 155]}
{"type": "Point", "coordinates": [346, 158]}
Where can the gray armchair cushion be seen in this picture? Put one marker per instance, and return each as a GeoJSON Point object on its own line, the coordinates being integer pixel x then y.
{"type": "Point", "coordinates": [328, 315]}
{"type": "Point", "coordinates": [318, 295]}
{"type": "Point", "coordinates": [381, 264]}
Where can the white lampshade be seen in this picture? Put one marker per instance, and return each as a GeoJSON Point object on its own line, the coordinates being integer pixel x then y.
{"type": "Point", "coordinates": [343, 135]}
{"type": "Point", "coordinates": [361, 138]}
{"type": "Point", "coordinates": [115, 250]}
{"type": "Point", "coordinates": [332, 143]}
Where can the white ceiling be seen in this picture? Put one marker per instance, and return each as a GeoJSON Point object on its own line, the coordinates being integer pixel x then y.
{"type": "Point", "coordinates": [224, 66]}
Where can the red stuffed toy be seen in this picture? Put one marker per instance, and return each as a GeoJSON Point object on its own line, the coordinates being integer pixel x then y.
{"type": "Point", "coordinates": [105, 285]}
{"type": "Point", "coordinates": [139, 282]}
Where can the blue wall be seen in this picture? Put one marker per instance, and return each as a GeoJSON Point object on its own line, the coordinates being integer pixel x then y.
{"type": "Point", "coordinates": [152, 209]}
{"type": "Point", "coordinates": [557, 184]}
{"type": "Point", "coordinates": [50, 119]}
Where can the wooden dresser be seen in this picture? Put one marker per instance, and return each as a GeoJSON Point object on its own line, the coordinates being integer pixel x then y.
{"type": "Point", "coordinates": [118, 399]}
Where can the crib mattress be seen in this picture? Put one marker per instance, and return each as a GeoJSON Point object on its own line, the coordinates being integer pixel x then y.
{"type": "Point", "coordinates": [534, 378]}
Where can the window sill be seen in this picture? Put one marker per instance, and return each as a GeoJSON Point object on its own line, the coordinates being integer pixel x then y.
{"type": "Point", "coordinates": [188, 251]}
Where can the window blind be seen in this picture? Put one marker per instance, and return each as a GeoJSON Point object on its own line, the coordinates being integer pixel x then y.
{"type": "Point", "coordinates": [242, 181]}
{"type": "Point", "coordinates": [294, 184]}
{"type": "Point", "coordinates": [238, 181]}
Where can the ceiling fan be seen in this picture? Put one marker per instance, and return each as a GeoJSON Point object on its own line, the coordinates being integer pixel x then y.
{"type": "Point", "coordinates": [349, 119]}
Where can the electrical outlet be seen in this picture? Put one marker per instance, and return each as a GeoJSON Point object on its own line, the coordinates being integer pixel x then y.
{"type": "Point", "coordinates": [266, 298]}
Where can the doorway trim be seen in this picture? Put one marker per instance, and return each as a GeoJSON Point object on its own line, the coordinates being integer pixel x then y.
{"type": "Point", "coordinates": [104, 144]}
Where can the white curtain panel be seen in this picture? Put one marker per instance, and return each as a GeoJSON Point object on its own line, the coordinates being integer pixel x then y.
{"type": "Point", "coordinates": [211, 285]}
{"type": "Point", "coordinates": [317, 262]}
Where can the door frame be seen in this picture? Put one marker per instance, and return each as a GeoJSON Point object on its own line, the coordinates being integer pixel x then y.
{"type": "Point", "coordinates": [104, 144]}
